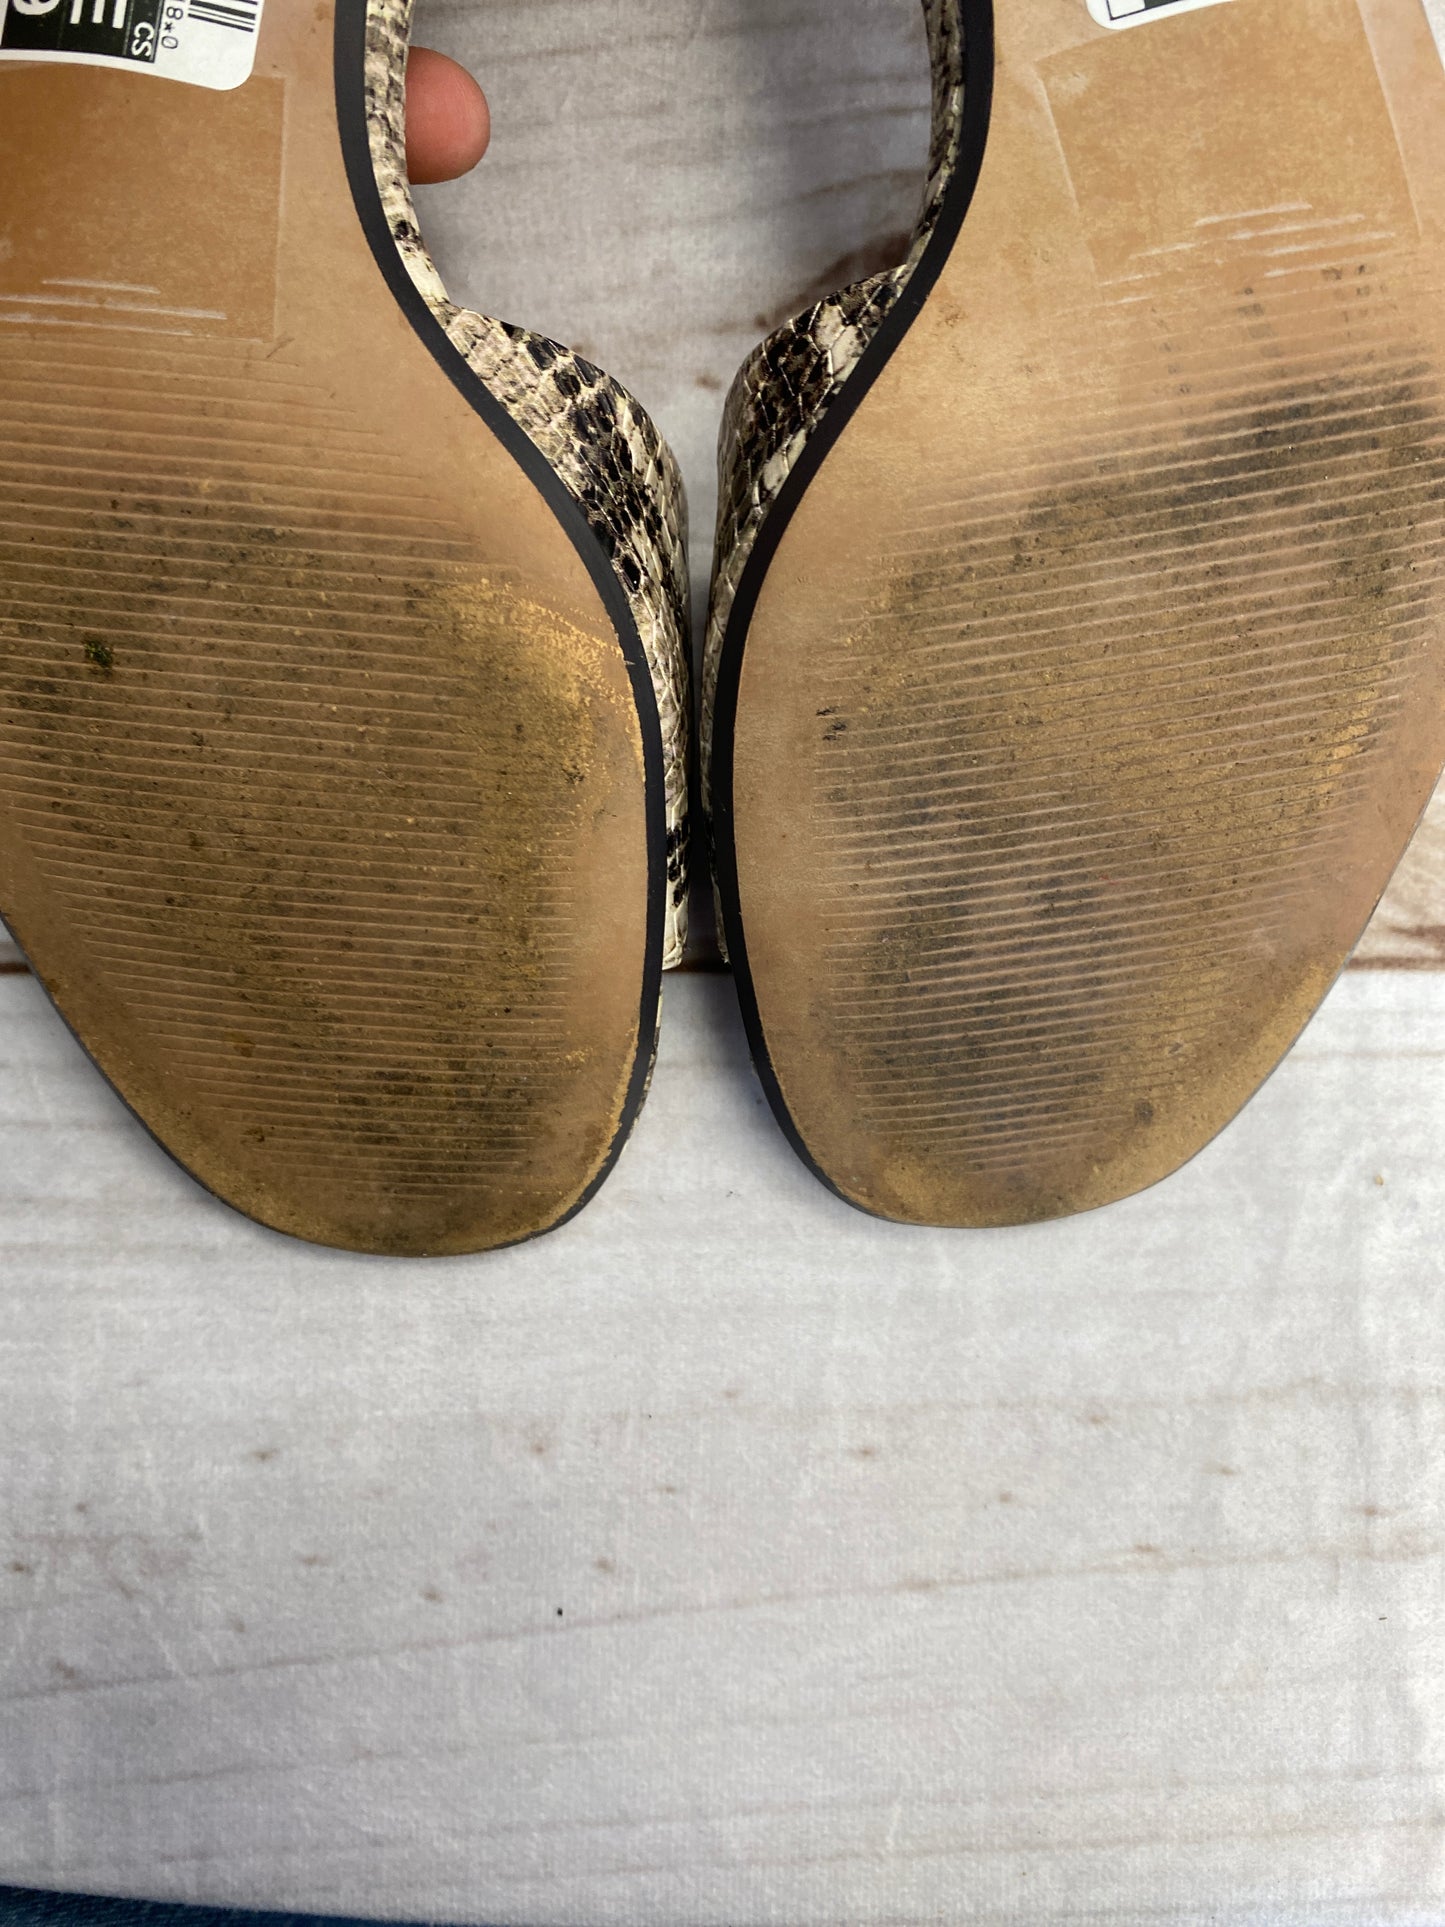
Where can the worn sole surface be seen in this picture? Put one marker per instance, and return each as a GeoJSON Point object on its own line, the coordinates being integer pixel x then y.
{"type": "Point", "coordinates": [330, 770]}
{"type": "Point", "coordinates": [1086, 689]}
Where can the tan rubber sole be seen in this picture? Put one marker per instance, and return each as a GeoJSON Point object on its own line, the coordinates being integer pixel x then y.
{"type": "Point", "coordinates": [330, 779]}
{"type": "Point", "coordinates": [1094, 688]}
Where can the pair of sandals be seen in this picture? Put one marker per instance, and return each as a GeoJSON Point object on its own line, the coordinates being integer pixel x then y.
{"type": "Point", "coordinates": [1073, 680]}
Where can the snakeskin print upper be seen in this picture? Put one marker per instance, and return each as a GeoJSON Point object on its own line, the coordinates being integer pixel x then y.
{"type": "Point", "coordinates": [598, 439]}
{"type": "Point", "coordinates": [787, 384]}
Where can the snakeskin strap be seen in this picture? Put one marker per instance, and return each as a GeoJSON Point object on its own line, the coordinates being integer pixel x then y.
{"type": "Point", "coordinates": [787, 385]}
{"type": "Point", "coordinates": [599, 440]}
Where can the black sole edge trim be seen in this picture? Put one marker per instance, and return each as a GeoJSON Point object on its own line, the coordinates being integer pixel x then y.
{"type": "Point", "coordinates": [978, 31]}
{"type": "Point", "coordinates": [350, 62]}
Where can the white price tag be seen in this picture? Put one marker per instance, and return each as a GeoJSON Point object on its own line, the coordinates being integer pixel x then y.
{"type": "Point", "coordinates": [206, 43]}
{"type": "Point", "coordinates": [1133, 13]}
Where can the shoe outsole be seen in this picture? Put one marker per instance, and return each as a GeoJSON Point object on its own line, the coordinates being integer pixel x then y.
{"type": "Point", "coordinates": [331, 779]}
{"type": "Point", "coordinates": [1085, 687]}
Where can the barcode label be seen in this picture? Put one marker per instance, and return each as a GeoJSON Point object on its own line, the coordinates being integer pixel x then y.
{"type": "Point", "coordinates": [1133, 13]}
{"type": "Point", "coordinates": [206, 43]}
{"type": "Point", "coordinates": [241, 15]}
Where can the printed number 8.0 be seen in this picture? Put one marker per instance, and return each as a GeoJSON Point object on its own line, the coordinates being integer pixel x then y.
{"type": "Point", "coordinates": [175, 15]}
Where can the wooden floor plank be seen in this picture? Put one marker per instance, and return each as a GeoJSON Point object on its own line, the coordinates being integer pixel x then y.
{"type": "Point", "coordinates": [731, 1557]}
